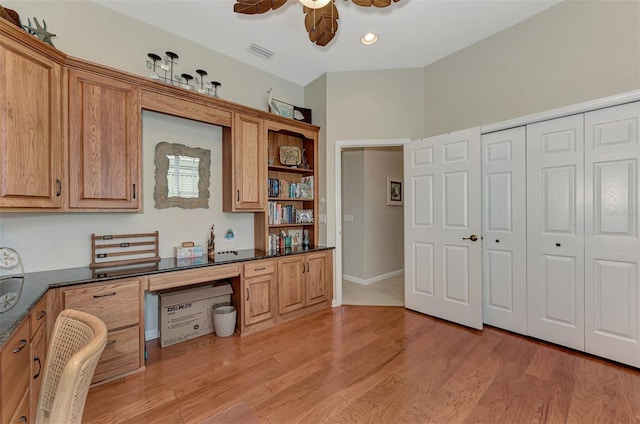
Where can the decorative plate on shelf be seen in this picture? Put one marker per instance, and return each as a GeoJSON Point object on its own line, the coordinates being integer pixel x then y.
{"type": "Point", "coordinates": [290, 155]}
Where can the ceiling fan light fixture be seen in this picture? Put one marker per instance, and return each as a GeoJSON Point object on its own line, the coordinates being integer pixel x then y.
{"type": "Point", "coordinates": [369, 38]}
{"type": "Point", "coordinates": [315, 4]}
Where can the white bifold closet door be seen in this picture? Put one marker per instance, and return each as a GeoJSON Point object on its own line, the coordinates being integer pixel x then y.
{"type": "Point", "coordinates": [443, 254]}
{"type": "Point", "coordinates": [612, 218]}
{"type": "Point", "coordinates": [504, 229]}
{"type": "Point", "coordinates": [555, 231]}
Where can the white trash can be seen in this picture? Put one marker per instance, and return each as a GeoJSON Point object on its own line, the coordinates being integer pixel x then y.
{"type": "Point", "coordinates": [224, 320]}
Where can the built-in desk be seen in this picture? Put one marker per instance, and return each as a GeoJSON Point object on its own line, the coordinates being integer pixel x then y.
{"type": "Point", "coordinates": [268, 288]}
{"type": "Point", "coordinates": [36, 284]}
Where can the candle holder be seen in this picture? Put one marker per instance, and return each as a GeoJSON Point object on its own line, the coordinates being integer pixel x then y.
{"type": "Point", "coordinates": [167, 65]}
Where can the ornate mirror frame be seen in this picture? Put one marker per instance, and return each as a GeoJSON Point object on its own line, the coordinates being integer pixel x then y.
{"type": "Point", "coordinates": [161, 189]}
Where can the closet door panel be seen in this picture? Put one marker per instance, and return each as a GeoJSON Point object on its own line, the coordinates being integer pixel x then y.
{"type": "Point", "coordinates": [555, 231]}
{"type": "Point", "coordinates": [612, 245]}
{"type": "Point", "coordinates": [504, 230]}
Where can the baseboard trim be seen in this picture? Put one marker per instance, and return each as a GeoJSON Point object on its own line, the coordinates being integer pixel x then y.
{"type": "Point", "coordinates": [372, 279]}
{"type": "Point", "coordinates": [151, 334]}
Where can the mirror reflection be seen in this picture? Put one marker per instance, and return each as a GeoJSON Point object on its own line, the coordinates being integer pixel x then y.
{"type": "Point", "coordinates": [182, 176]}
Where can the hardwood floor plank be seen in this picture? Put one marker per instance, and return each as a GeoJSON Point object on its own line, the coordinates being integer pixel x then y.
{"type": "Point", "coordinates": [369, 364]}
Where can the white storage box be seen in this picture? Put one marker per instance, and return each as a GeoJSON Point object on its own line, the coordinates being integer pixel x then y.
{"type": "Point", "coordinates": [186, 314]}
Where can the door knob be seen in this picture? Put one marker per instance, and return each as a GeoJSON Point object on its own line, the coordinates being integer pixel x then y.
{"type": "Point", "coordinates": [473, 237]}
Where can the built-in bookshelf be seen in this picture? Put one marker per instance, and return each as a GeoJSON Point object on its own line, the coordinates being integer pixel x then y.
{"type": "Point", "coordinates": [292, 189]}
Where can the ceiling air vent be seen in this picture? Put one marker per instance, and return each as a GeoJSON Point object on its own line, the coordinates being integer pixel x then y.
{"type": "Point", "coordinates": [260, 51]}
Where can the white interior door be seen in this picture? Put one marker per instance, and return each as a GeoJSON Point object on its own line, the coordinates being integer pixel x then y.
{"type": "Point", "coordinates": [555, 231]}
{"type": "Point", "coordinates": [612, 248]}
{"type": "Point", "coordinates": [443, 254]}
{"type": "Point", "coordinates": [504, 229]}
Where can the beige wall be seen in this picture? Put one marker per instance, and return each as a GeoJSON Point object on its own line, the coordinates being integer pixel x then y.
{"type": "Point", "coordinates": [316, 98]}
{"type": "Point", "coordinates": [383, 224]}
{"type": "Point", "coordinates": [353, 199]}
{"type": "Point", "coordinates": [372, 105]}
{"type": "Point", "coordinates": [373, 244]}
{"type": "Point", "coordinates": [573, 52]}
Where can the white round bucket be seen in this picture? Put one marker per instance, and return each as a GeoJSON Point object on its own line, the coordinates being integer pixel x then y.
{"type": "Point", "coordinates": [224, 320]}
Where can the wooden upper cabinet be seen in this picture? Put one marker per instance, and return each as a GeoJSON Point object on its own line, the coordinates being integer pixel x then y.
{"type": "Point", "coordinates": [104, 142]}
{"type": "Point", "coordinates": [31, 151]}
{"type": "Point", "coordinates": [244, 153]}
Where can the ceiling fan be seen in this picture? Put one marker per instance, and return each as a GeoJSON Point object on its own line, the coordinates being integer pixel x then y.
{"type": "Point", "coordinates": [321, 16]}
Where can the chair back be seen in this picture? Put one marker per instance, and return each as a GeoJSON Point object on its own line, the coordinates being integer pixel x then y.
{"type": "Point", "coordinates": [77, 342]}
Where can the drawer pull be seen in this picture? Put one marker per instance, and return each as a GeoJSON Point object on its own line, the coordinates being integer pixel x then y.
{"type": "Point", "coordinates": [97, 296]}
{"type": "Point", "coordinates": [111, 343]}
{"type": "Point", "coordinates": [41, 315]}
{"type": "Point", "coordinates": [260, 269]}
{"type": "Point", "coordinates": [23, 343]}
{"type": "Point", "coordinates": [23, 419]}
{"type": "Point", "coordinates": [37, 359]}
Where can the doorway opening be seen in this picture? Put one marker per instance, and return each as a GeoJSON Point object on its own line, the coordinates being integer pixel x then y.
{"type": "Point", "coordinates": [369, 222]}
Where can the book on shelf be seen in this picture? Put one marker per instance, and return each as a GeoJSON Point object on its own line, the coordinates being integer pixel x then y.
{"type": "Point", "coordinates": [281, 214]}
{"type": "Point", "coordinates": [285, 189]}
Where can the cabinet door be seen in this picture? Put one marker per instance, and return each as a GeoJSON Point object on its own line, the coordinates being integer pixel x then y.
{"type": "Point", "coordinates": [316, 278]}
{"type": "Point", "coordinates": [30, 129]}
{"type": "Point", "coordinates": [291, 285]}
{"type": "Point", "coordinates": [104, 143]}
{"type": "Point", "coordinates": [612, 242]}
{"type": "Point", "coordinates": [16, 359]}
{"type": "Point", "coordinates": [38, 356]}
{"type": "Point", "coordinates": [249, 163]}
{"type": "Point", "coordinates": [258, 295]}
{"type": "Point", "coordinates": [555, 231]}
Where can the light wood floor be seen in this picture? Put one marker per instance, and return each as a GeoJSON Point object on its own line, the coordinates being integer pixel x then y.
{"type": "Point", "coordinates": [360, 364]}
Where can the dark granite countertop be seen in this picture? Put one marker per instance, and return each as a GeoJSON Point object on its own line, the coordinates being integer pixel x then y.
{"type": "Point", "coordinates": [36, 284]}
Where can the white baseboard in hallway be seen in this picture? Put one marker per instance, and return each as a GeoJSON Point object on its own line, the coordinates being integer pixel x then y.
{"type": "Point", "coordinates": [372, 279]}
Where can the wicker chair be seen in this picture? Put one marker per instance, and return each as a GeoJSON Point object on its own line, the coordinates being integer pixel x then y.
{"type": "Point", "coordinates": [77, 342]}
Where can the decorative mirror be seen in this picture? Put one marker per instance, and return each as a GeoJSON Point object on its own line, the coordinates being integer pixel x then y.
{"type": "Point", "coordinates": [182, 176]}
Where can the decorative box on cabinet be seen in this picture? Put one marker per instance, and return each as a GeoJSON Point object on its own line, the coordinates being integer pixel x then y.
{"type": "Point", "coordinates": [31, 175]}
{"type": "Point", "coordinates": [258, 295]}
{"type": "Point", "coordinates": [119, 304]}
{"type": "Point", "coordinates": [243, 165]}
{"type": "Point", "coordinates": [304, 281]}
{"type": "Point", "coordinates": [104, 142]}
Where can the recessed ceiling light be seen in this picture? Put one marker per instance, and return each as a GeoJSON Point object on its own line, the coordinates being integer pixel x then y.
{"type": "Point", "coordinates": [369, 38]}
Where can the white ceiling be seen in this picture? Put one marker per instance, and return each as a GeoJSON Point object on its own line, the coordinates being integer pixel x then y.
{"type": "Point", "coordinates": [412, 33]}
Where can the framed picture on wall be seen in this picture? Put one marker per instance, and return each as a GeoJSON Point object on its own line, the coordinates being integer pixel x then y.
{"type": "Point", "coordinates": [395, 197]}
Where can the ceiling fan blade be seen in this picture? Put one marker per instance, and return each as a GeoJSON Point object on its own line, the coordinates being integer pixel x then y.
{"type": "Point", "coordinates": [253, 7]}
{"type": "Point", "coordinates": [376, 3]}
{"type": "Point", "coordinates": [321, 25]}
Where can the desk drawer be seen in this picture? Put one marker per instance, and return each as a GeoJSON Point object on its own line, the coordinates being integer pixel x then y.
{"type": "Point", "coordinates": [117, 303]}
{"type": "Point", "coordinates": [255, 268]}
{"type": "Point", "coordinates": [121, 355]}
{"type": "Point", "coordinates": [192, 276]}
